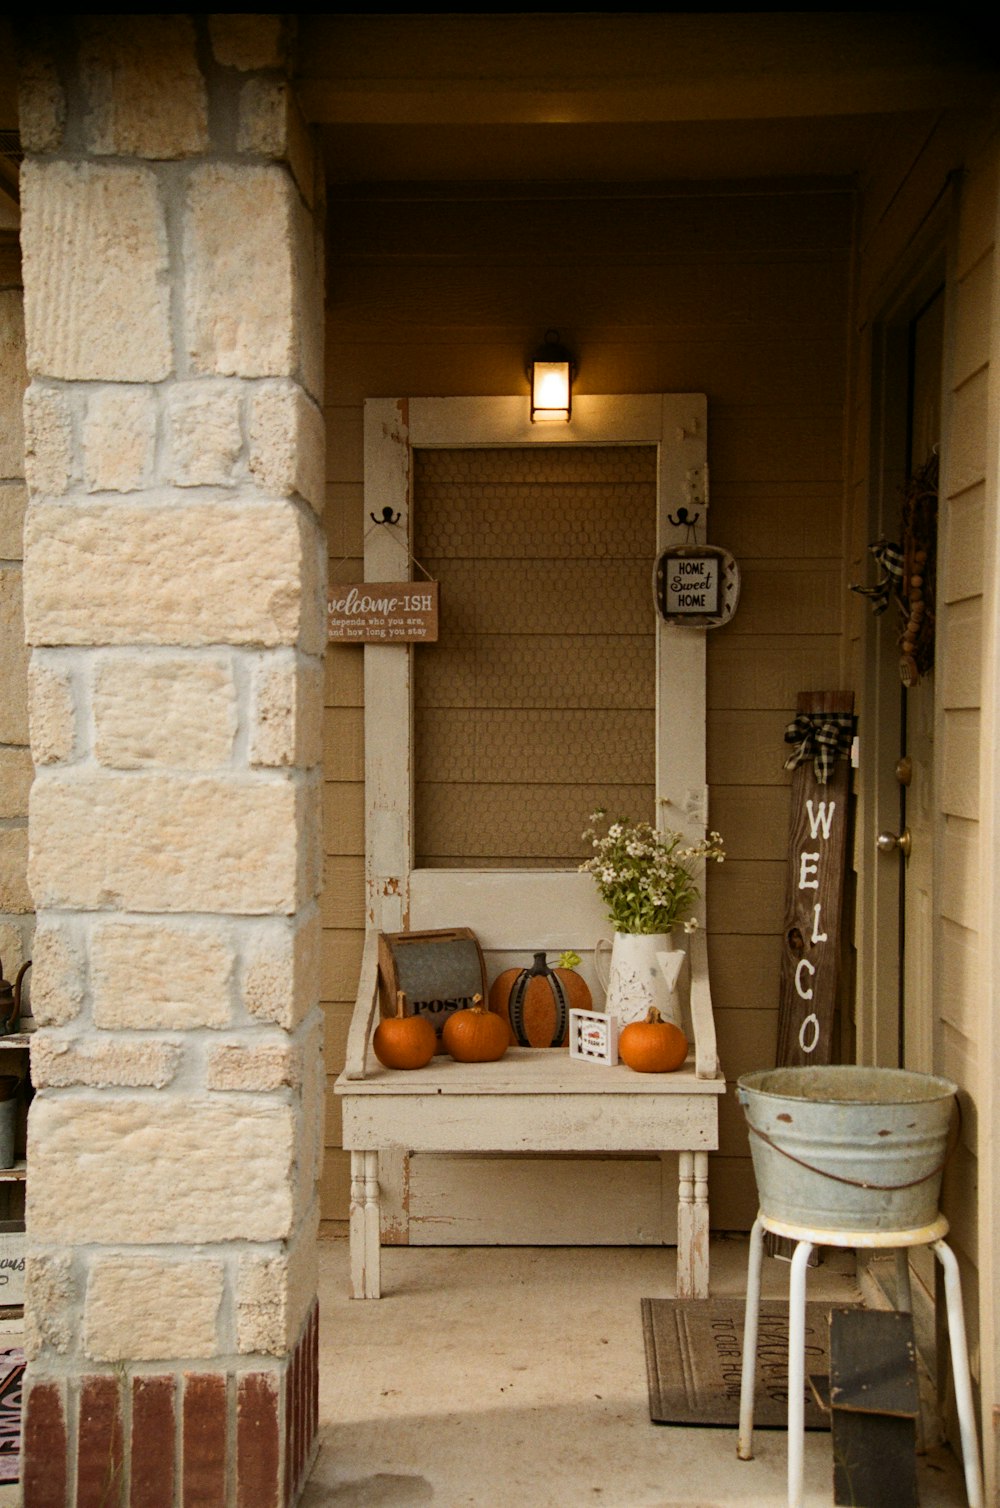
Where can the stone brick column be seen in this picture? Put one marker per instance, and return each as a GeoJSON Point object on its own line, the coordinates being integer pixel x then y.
{"type": "Point", "coordinates": [174, 589]}
{"type": "Point", "coordinates": [15, 759]}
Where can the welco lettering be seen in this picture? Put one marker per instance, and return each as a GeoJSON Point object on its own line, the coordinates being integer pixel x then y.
{"type": "Point", "coordinates": [820, 819]}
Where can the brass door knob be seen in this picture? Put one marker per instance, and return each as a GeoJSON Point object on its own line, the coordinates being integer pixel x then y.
{"type": "Point", "coordinates": [893, 842]}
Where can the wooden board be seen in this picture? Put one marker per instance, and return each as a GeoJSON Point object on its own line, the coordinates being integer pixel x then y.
{"type": "Point", "coordinates": [873, 1366]}
{"type": "Point", "coordinates": [383, 612]}
{"type": "Point", "coordinates": [874, 1461]}
{"type": "Point", "coordinates": [811, 945]}
{"type": "Point", "coordinates": [488, 1200]}
{"type": "Point", "coordinates": [874, 1403]}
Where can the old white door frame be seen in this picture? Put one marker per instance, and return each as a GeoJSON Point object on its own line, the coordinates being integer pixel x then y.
{"type": "Point", "coordinates": [676, 425]}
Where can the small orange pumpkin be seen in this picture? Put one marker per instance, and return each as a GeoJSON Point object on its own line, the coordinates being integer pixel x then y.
{"type": "Point", "coordinates": [653, 1045]}
{"type": "Point", "coordinates": [536, 1001]}
{"type": "Point", "coordinates": [403, 1041]}
{"type": "Point", "coordinates": [475, 1035]}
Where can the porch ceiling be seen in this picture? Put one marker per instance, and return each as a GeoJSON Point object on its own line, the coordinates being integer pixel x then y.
{"type": "Point", "coordinates": [627, 98]}
{"type": "Point", "coordinates": [676, 151]}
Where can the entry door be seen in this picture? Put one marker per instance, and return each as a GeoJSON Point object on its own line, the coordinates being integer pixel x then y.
{"type": "Point", "coordinates": [423, 867]}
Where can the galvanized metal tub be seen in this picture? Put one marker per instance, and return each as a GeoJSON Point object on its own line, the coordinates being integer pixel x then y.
{"type": "Point", "coordinates": [845, 1148]}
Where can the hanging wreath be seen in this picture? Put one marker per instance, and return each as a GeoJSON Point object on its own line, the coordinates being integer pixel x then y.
{"type": "Point", "coordinates": [916, 588]}
{"type": "Point", "coordinates": [908, 571]}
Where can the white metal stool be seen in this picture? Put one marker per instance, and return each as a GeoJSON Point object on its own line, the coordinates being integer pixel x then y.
{"type": "Point", "coordinates": [808, 1237]}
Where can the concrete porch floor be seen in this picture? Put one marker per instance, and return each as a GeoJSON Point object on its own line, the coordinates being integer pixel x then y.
{"type": "Point", "coordinates": [516, 1378]}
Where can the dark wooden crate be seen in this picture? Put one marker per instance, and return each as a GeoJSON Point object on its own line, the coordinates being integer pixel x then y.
{"type": "Point", "coordinates": [874, 1403]}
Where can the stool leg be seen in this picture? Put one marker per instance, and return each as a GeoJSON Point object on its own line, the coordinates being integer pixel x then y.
{"type": "Point", "coordinates": [960, 1373]}
{"type": "Point", "coordinates": [797, 1369]}
{"type": "Point", "coordinates": [744, 1446]}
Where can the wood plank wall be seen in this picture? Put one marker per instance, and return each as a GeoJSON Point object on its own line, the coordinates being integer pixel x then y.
{"type": "Point", "coordinates": [910, 179]}
{"type": "Point", "coordinates": [741, 294]}
{"type": "Point", "coordinates": [969, 524]}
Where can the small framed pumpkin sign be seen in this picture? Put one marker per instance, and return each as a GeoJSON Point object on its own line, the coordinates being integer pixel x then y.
{"type": "Point", "coordinates": [593, 1037]}
{"type": "Point", "coordinates": [696, 585]}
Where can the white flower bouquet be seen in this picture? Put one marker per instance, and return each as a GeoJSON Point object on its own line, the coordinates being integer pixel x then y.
{"type": "Point", "coordinates": [644, 875]}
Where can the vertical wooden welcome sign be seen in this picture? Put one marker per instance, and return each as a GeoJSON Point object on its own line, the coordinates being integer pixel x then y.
{"type": "Point", "coordinates": [811, 943]}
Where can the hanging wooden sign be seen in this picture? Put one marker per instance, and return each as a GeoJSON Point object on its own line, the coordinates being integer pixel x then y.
{"type": "Point", "coordinates": [817, 851]}
{"type": "Point", "coordinates": [383, 612]}
{"type": "Point", "coordinates": [697, 585]}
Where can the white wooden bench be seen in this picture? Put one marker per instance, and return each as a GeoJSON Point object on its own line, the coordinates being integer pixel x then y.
{"type": "Point", "coordinates": [532, 1100]}
{"type": "Point", "coordinates": [529, 1102]}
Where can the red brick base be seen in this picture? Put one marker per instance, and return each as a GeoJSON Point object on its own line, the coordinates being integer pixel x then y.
{"type": "Point", "coordinates": [110, 1440]}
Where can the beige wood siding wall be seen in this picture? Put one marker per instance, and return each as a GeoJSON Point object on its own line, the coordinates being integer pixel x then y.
{"type": "Point", "coordinates": [741, 295]}
{"type": "Point", "coordinates": [909, 185]}
{"type": "Point", "coordinates": [969, 523]}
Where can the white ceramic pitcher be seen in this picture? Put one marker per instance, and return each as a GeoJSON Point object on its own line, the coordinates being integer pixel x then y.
{"type": "Point", "coordinates": [643, 971]}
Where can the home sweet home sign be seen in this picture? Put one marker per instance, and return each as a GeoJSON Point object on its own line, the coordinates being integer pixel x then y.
{"type": "Point", "coordinates": [811, 945]}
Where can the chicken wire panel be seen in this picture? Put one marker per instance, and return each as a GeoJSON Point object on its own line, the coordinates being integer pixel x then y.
{"type": "Point", "coordinates": [540, 691]}
{"type": "Point", "coordinates": [515, 826]}
{"type": "Point", "coordinates": [554, 671]}
{"type": "Point", "coordinates": [566, 503]}
{"type": "Point", "coordinates": [506, 746]}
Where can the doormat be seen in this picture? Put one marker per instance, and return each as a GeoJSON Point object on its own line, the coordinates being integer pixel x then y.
{"type": "Point", "coordinates": [694, 1351]}
{"type": "Point", "coordinates": [11, 1375]}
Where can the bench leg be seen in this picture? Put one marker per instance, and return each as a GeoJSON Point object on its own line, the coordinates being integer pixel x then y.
{"type": "Point", "coordinates": [692, 1226]}
{"type": "Point", "coordinates": [366, 1249]}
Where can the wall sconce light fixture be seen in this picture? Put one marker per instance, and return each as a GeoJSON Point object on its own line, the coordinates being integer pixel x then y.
{"type": "Point", "coordinates": [551, 372]}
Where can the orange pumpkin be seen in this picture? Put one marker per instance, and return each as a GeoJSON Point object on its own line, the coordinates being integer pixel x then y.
{"type": "Point", "coordinates": [403, 1041]}
{"type": "Point", "coordinates": [536, 1002]}
{"type": "Point", "coordinates": [475, 1035]}
{"type": "Point", "coordinates": [653, 1045]}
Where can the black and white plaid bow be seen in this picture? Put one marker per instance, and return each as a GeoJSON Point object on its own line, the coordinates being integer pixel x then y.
{"type": "Point", "coordinates": [890, 560]}
{"type": "Point", "coordinates": [821, 737]}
